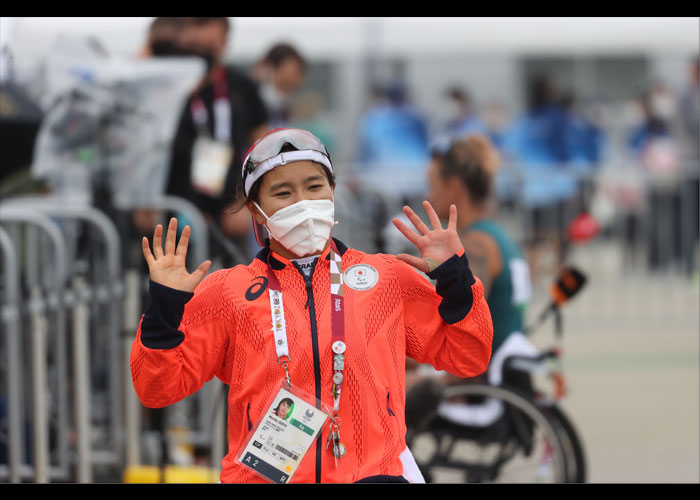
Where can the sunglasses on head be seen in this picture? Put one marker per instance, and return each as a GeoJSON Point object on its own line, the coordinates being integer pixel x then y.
{"type": "Point", "coordinates": [266, 153]}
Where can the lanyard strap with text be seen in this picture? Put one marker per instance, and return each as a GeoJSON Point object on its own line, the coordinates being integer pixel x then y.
{"type": "Point", "coordinates": [222, 109]}
{"type": "Point", "coordinates": [338, 347]}
{"type": "Point", "coordinates": [279, 329]}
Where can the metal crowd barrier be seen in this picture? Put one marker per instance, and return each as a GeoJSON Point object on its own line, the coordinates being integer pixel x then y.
{"type": "Point", "coordinates": [58, 293]}
{"type": "Point", "coordinates": [17, 387]}
{"type": "Point", "coordinates": [108, 293]}
{"type": "Point", "coordinates": [11, 326]}
{"type": "Point", "coordinates": [210, 416]}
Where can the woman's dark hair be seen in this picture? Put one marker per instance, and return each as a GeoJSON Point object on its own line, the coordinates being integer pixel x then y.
{"type": "Point", "coordinates": [241, 199]}
{"type": "Point", "coordinates": [289, 402]}
{"type": "Point", "coordinates": [472, 160]}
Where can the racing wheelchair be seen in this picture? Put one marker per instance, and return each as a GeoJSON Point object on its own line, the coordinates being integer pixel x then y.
{"type": "Point", "coordinates": [476, 431]}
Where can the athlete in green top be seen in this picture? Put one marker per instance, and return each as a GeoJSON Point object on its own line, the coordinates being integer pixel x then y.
{"type": "Point", "coordinates": [463, 175]}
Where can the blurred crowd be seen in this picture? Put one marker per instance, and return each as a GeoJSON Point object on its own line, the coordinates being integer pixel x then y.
{"type": "Point", "coordinates": [551, 150]}
{"type": "Point", "coordinates": [552, 154]}
{"type": "Point", "coordinates": [554, 129]}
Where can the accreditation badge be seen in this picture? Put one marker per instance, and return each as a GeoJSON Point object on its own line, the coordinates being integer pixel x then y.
{"type": "Point", "coordinates": [210, 163]}
{"type": "Point", "coordinates": [287, 430]}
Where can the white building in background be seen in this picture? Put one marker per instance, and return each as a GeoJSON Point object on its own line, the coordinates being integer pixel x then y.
{"type": "Point", "coordinates": [611, 58]}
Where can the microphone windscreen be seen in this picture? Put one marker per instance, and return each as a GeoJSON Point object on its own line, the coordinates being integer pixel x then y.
{"type": "Point", "coordinates": [568, 283]}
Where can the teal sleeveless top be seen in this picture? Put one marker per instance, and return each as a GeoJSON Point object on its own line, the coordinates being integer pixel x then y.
{"type": "Point", "coordinates": [511, 289]}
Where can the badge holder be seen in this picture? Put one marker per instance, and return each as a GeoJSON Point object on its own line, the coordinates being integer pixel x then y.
{"type": "Point", "coordinates": [210, 164]}
{"type": "Point", "coordinates": [292, 421]}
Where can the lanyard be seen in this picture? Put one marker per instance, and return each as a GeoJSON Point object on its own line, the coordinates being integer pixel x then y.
{"type": "Point", "coordinates": [279, 329]}
{"type": "Point", "coordinates": [222, 109]}
{"type": "Point", "coordinates": [338, 325]}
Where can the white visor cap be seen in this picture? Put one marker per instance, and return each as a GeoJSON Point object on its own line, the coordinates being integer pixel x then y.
{"type": "Point", "coordinates": [282, 159]}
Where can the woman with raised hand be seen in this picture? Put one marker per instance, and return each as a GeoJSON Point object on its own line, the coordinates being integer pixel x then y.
{"type": "Point", "coordinates": [312, 318]}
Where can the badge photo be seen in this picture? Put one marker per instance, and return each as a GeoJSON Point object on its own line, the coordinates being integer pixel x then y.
{"type": "Point", "coordinates": [283, 434]}
{"type": "Point", "coordinates": [360, 277]}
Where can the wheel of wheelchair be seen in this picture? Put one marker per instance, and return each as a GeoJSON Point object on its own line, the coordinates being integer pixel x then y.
{"type": "Point", "coordinates": [524, 444]}
{"type": "Point", "coordinates": [573, 448]}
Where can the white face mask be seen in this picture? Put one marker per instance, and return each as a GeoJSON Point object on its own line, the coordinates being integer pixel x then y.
{"type": "Point", "coordinates": [302, 228]}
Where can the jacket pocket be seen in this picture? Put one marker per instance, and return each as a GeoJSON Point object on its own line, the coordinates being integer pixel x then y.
{"type": "Point", "coordinates": [388, 403]}
{"type": "Point", "coordinates": [247, 413]}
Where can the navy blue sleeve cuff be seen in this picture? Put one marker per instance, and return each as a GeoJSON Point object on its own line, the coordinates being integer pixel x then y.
{"type": "Point", "coordinates": [454, 282]}
{"type": "Point", "coordinates": [164, 309]}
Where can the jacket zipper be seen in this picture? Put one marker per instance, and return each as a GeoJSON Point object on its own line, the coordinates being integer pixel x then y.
{"type": "Point", "coordinates": [250, 423]}
{"type": "Point", "coordinates": [317, 363]}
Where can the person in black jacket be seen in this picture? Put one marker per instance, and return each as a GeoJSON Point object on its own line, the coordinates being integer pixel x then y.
{"type": "Point", "coordinates": [222, 118]}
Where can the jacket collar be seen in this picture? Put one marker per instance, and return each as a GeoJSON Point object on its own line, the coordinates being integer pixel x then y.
{"type": "Point", "coordinates": [277, 262]}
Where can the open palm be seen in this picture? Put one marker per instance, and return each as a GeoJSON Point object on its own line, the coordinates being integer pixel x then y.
{"type": "Point", "coordinates": [167, 267]}
{"type": "Point", "coordinates": [436, 245]}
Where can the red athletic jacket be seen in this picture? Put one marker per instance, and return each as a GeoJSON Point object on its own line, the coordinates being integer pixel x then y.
{"type": "Point", "coordinates": [224, 330]}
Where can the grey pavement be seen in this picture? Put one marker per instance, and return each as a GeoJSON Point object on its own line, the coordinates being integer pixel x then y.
{"type": "Point", "coordinates": [632, 365]}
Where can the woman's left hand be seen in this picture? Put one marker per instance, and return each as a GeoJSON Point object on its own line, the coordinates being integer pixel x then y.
{"type": "Point", "coordinates": [435, 245]}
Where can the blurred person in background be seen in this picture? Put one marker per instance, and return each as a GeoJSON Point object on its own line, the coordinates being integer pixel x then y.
{"type": "Point", "coordinates": [666, 144]}
{"type": "Point", "coordinates": [538, 142]}
{"type": "Point", "coordinates": [393, 149]}
{"type": "Point", "coordinates": [392, 131]}
{"type": "Point", "coordinates": [585, 143]}
{"type": "Point", "coordinates": [463, 174]}
{"type": "Point", "coordinates": [222, 117]}
{"type": "Point", "coordinates": [162, 37]}
{"type": "Point", "coordinates": [690, 133]}
{"type": "Point", "coordinates": [538, 136]}
{"type": "Point", "coordinates": [690, 111]}
{"type": "Point", "coordinates": [651, 141]}
{"type": "Point", "coordinates": [654, 148]}
{"type": "Point", "coordinates": [279, 74]}
{"type": "Point", "coordinates": [496, 122]}
{"type": "Point", "coordinates": [308, 112]}
{"type": "Point", "coordinates": [584, 138]}
{"type": "Point", "coordinates": [463, 119]}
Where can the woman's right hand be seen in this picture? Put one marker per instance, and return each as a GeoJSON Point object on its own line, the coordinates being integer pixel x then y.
{"type": "Point", "coordinates": [168, 267]}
